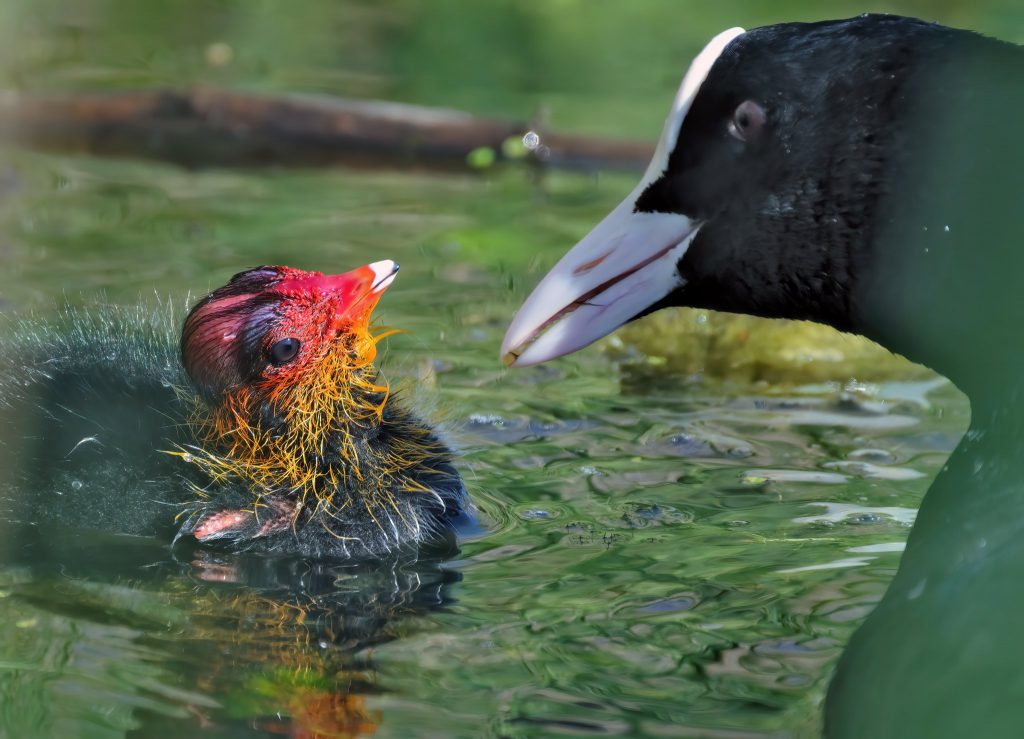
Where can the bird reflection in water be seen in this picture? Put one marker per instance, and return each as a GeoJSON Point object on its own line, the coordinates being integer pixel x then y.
{"type": "Point", "coordinates": [294, 643]}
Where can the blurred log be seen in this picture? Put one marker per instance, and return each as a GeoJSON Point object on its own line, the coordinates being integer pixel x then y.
{"type": "Point", "coordinates": [207, 127]}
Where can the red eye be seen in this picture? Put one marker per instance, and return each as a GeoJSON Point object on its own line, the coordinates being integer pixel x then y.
{"type": "Point", "coordinates": [747, 121]}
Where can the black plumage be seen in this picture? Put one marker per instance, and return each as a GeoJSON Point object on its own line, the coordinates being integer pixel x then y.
{"type": "Point", "coordinates": [865, 173]}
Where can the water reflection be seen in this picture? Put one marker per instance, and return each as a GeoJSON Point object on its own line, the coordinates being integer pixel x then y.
{"type": "Point", "coordinates": [113, 631]}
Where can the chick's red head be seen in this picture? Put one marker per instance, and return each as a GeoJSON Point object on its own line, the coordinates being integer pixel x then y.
{"type": "Point", "coordinates": [270, 325]}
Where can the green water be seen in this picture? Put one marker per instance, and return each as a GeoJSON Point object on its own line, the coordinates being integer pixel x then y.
{"type": "Point", "coordinates": [665, 557]}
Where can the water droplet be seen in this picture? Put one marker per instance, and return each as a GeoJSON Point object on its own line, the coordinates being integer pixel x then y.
{"type": "Point", "coordinates": [187, 457]}
{"type": "Point", "coordinates": [531, 140]}
{"type": "Point", "coordinates": [76, 484]}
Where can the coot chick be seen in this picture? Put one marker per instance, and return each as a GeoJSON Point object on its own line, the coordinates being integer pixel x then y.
{"type": "Point", "coordinates": [271, 430]}
{"type": "Point", "coordinates": [867, 174]}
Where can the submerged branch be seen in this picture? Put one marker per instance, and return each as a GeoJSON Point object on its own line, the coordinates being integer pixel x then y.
{"type": "Point", "coordinates": [206, 127]}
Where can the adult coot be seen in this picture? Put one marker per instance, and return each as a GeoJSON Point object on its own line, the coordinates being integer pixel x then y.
{"type": "Point", "coordinates": [869, 174]}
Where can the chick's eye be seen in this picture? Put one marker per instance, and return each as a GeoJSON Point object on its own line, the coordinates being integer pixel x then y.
{"type": "Point", "coordinates": [747, 121]}
{"type": "Point", "coordinates": [284, 351]}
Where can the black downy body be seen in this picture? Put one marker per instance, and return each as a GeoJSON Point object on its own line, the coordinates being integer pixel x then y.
{"type": "Point", "coordinates": [94, 405]}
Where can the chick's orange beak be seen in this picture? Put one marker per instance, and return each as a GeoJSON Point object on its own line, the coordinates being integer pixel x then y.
{"type": "Point", "coordinates": [353, 295]}
{"type": "Point", "coordinates": [356, 293]}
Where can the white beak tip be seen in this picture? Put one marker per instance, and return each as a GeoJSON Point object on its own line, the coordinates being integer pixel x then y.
{"type": "Point", "coordinates": [384, 273]}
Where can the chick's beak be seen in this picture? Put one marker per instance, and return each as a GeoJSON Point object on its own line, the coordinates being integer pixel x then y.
{"type": "Point", "coordinates": [357, 292]}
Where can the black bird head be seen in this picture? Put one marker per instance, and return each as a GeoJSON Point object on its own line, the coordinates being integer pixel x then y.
{"type": "Point", "coordinates": [796, 169]}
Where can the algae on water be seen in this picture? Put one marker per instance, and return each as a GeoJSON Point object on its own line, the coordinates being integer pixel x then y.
{"type": "Point", "coordinates": [688, 341]}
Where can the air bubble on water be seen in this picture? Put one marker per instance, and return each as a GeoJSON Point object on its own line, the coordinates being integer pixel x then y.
{"type": "Point", "coordinates": [76, 484]}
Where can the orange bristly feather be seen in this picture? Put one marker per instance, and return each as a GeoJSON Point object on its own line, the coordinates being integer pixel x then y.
{"type": "Point", "coordinates": [324, 401]}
